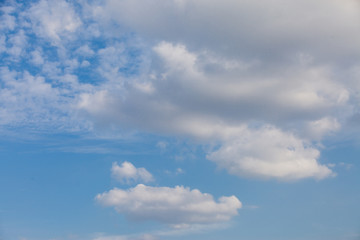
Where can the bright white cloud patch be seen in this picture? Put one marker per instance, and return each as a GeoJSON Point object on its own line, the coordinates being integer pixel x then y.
{"type": "Point", "coordinates": [177, 206]}
{"type": "Point", "coordinates": [128, 173]}
{"type": "Point", "coordinates": [269, 153]}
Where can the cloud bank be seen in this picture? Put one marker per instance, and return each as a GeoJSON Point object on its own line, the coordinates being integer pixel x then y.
{"type": "Point", "coordinates": [260, 84]}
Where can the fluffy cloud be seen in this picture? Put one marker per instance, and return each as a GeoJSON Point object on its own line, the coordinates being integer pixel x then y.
{"type": "Point", "coordinates": [270, 153]}
{"type": "Point", "coordinates": [177, 206]}
{"type": "Point", "coordinates": [204, 70]}
{"type": "Point", "coordinates": [186, 98]}
{"type": "Point", "coordinates": [128, 173]}
{"type": "Point", "coordinates": [223, 105]}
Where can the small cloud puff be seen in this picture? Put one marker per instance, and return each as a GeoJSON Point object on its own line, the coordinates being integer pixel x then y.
{"type": "Point", "coordinates": [128, 173]}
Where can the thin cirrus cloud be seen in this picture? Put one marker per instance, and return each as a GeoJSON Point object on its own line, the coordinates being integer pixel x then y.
{"type": "Point", "coordinates": [128, 173]}
{"type": "Point", "coordinates": [178, 206]}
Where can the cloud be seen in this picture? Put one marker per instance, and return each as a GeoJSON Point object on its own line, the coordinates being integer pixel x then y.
{"type": "Point", "coordinates": [202, 102]}
{"type": "Point", "coordinates": [18, 43]}
{"type": "Point", "coordinates": [53, 19]}
{"type": "Point", "coordinates": [128, 173]}
{"type": "Point", "coordinates": [269, 30]}
{"type": "Point", "coordinates": [85, 50]}
{"type": "Point", "coordinates": [176, 206]}
{"type": "Point", "coordinates": [8, 21]}
{"type": "Point", "coordinates": [269, 153]}
{"type": "Point", "coordinates": [208, 71]}
{"type": "Point", "coordinates": [317, 129]}
{"type": "Point", "coordinates": [227, 107]}
{"type": "Point", "coordinates": [21, 94]}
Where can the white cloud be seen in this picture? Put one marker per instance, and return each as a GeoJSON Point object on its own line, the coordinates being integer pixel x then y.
{"type": "Point", "coordinates": [36, 57]}
{"type": "Point", "coordinates": [53, 19]}
{"type": "Point", "coordinates": [2, 44]}
{"type": "Point", "coordinates": [221, 106]}
{"type": "Point", "coordinates": [33, 100]}
{"type": "Point", "coordinates": [21, 96]}
{"type": "Point", "coordinates": [177, 206]}
{"type": "Point", "coordinates": [85, 50]}
{"type": "Point", "coordinates": [128, 173]}
{"type": "Point", "coordinates": [18, 44]}
{"type": "Point", "coordinates": [269, 153]}
{"type": "Point", "coordinates": [316, 129]}
{"type": "Point", "coordinates": [201, 73]}
{"type": "Point", "coordinates": [7, 21]}
{"type": "Point", "coordinates": [112, 59]}
{"type": "Point", "coordinates": [178, 171]}
{"type": "Point", "coordinates": [202, 103]}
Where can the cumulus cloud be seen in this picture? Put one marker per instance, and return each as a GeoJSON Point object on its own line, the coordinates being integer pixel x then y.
{"type": "Point", "coordinates": [270, 153]}
{"type": "Point", "coordinates": [204, 70]}
{"type": "Point", "coordinates": [199, 99]}
{"type": "Point", "coordinates": [178, 206]}
{"type": "Point", "coordinates": [222, 106]}
{"type": "Point", "coordinates": [128, 173]}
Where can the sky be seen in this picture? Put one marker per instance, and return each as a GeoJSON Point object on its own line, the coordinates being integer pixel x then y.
{"type": "Point", "coordinates": [179, 119]}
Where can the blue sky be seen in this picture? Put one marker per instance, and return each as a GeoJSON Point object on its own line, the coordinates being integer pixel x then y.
{"type": "Point", "coordinates": [179, 119]}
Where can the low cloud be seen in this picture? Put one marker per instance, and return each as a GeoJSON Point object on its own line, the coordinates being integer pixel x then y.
{"type": "Point", "coordinates": [196, 76]}
{"type": "Point", "coordinates": [178, 206]}
{"type": "Point", "coordinates": [128, 173]}
{"type": "Point", "coordinates": [270, 153]}
{"type": "Point", "coordinates": [234, 109]}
